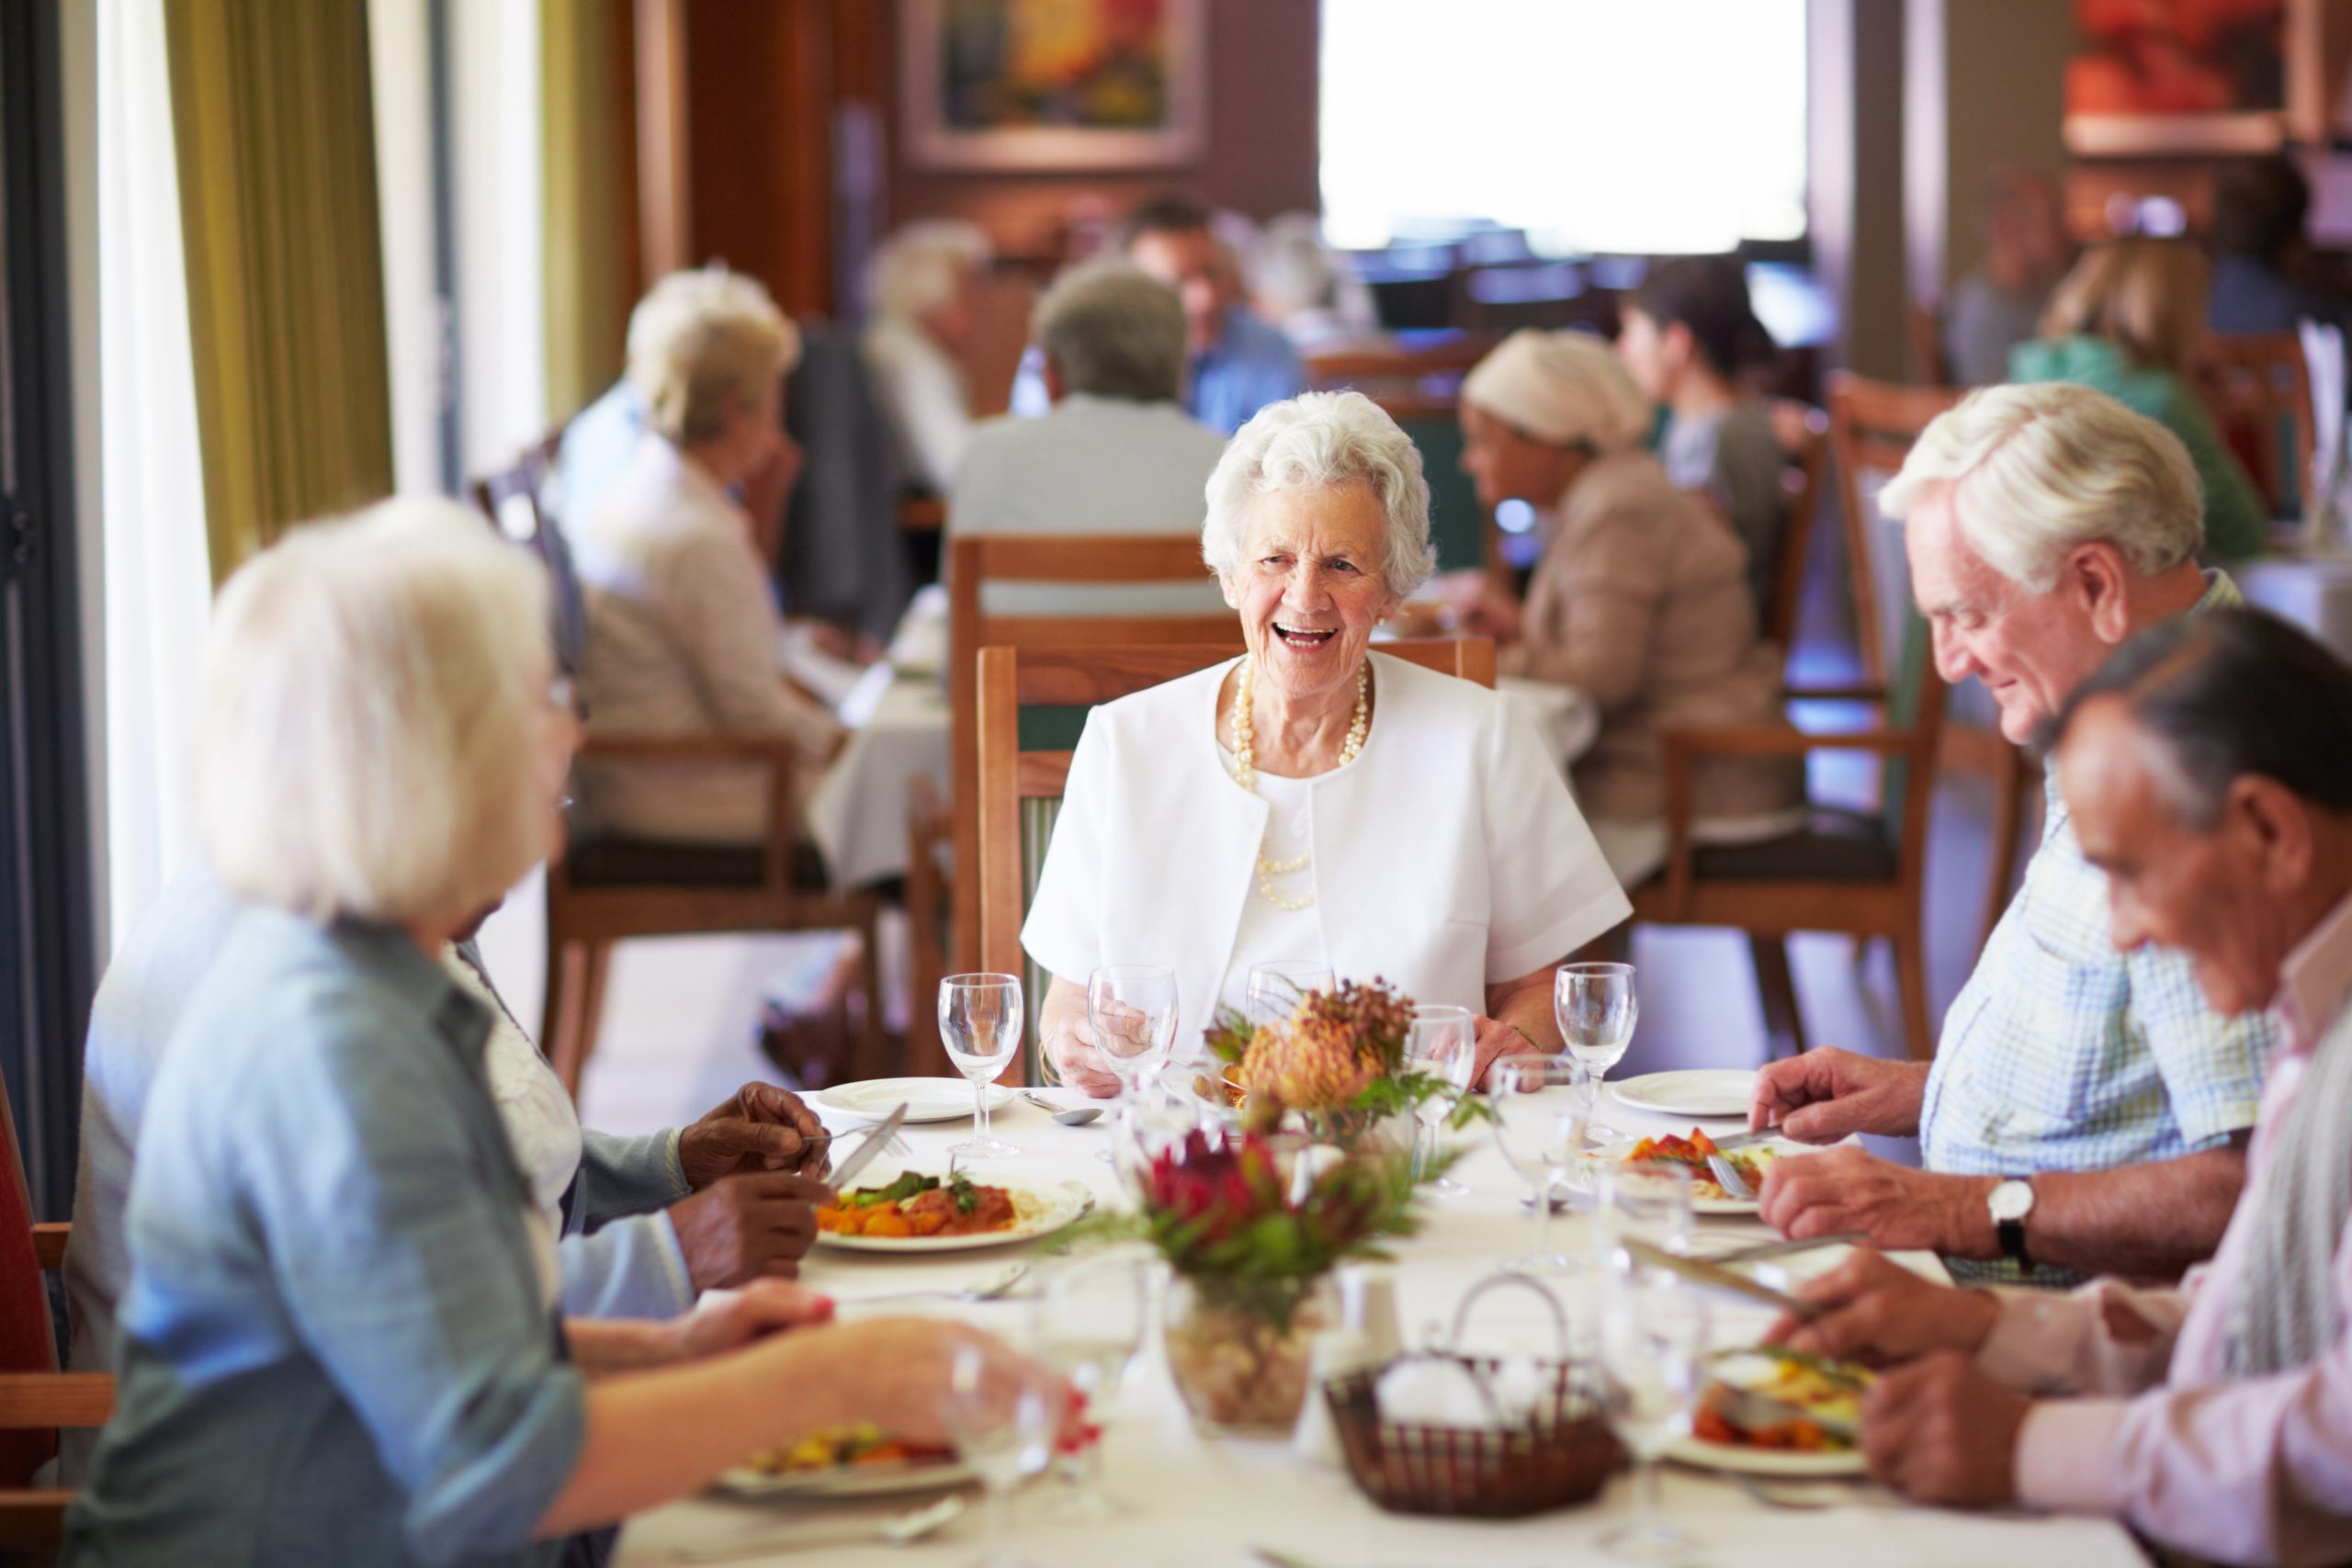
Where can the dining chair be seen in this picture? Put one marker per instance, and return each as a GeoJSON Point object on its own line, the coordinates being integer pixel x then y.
{"type": "Point", "coordinates": [1923, 323]}
{"type": "Point", "coordinates": [2257, 386]}
{"type": "Point", "coordinates": [1803, 432]}
{"type": "Point", "coordinates": [606, 888]}
{"type": "Point", "coordinates": [1417, 381]}
{"type": "Point", "coordinates": [1033, 702]}
{"type": "Point", "coordinates": [36, 1398]}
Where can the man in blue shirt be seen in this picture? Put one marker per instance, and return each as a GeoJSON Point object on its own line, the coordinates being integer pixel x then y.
{"type": "Point", "coordinates": [1240, 364]}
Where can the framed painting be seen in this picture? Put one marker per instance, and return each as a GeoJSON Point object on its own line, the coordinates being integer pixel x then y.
{"type": "Point", "coordinates": [2173, 78]}
{"type": "Point", "coordinates": [1052, 84]}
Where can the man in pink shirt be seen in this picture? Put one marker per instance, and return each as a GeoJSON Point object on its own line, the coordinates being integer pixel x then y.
{"type": "Point", "coordinates": [2208, 770]}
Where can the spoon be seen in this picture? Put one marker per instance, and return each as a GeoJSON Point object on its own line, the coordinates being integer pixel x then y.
{"type": "Point", "coordinates": [1075, 1116]}
{"type": "Point", "coordinates": [898, 1530]}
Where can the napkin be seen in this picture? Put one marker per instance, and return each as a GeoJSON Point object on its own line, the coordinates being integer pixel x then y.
{"type": "Point", "coordinates": [1432, 1393]}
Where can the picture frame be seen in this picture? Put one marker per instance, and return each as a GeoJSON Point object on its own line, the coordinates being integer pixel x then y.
{"type": "Point", "coordinates": [1052, 84]}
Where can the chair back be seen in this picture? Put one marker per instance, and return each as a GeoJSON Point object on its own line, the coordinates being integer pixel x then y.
{"type": "Point", "coordinates": [1021, 787]}
{"type": "Point", "coordinates": [2259, 388]}
{"type": "Point", "coordinates": [1804, 434]}
{"type": "Point", "coordinates": [27, 1336]}
{"type": "Point", "coordinates": [1417, 381]}
{"type": "Point", "coordinates": [1873, 427]}
{"type": "Point", "coordinates": [1923, 320]}
{"type": "Point", "coordinates": [1078, 559]}
{"type": "Point", "coordinates": [511, 500]}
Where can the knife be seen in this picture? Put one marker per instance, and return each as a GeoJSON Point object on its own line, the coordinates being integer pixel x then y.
{"type": "Point", "coordinates": [1741, 1140]}
{"type": "Point", "coordinates": [1716, 1277]}
{"type": "Point", "coordinates": [862, 1155]}
{"type": "Point", "coordinates": [1762, 1250]}
{"type": "Point", "coordinates": [1751, 1411]}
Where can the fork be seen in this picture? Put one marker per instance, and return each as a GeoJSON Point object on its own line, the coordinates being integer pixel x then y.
{"type": "Point", "coordinates": [897, 1145]}
{"type": "Point", "coordinates": [1728, 1177]}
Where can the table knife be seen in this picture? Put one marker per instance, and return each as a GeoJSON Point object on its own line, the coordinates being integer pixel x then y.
{"type": "Point", "coordinates": [862, 1155]}
{"type": "Point", "coordinates": [1716, 1277]}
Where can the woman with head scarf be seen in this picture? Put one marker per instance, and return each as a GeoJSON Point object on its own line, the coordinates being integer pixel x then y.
{"type": "Point", "coordinates": [1641, 599]}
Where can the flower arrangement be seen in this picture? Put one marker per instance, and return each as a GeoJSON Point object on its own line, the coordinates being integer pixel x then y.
{"type": "Point", "coordinates": [1339, 1051]}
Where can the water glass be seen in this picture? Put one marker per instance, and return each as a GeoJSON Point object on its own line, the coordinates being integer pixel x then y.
{"type": "Point", "coordinates": [979, 1023]}
{"type": "Point", "coordinates": [1003, 1422]}
{"type": "Point", "coordinates": [1131, 1008]}
{"type": "Point", "coordinates": [1540, 1122]}
{"type": "Point", "coordinates": [1150, 1123]}
{"type": "Point", "coordinates": [1443, 1044]}
{"type": "Point", "coordinates": [1645, 1200]}
{"type": "Point", "coordinates": [1088, 1323]}
{"type": "Point", "coordinates": [1653, 1344]}
{"type": "Point", "coordinates": [1595, 1007]}
{"type": "Point", "coordinates": [1276, 987]}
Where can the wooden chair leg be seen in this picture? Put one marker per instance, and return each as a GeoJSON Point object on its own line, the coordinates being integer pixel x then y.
{"type": "Point", "coordinates": [1911, 982]}
{"type": "Point", "coordinates": [560, 1006]}
{"type": "Point", "coordinates": [872, 1047]}
{"type": "Point", "coordinates": [2009, 792]}
{"type": "Point", "coordinates": [1777, 989]}
{"type": "Point", "coordinates": [569, 1052]}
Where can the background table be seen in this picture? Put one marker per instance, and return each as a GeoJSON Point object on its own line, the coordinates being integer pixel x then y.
{"type": "Point", "coordinates": [1206, 1502]}
{"type": "Point", "coordinates": [2313, 592]}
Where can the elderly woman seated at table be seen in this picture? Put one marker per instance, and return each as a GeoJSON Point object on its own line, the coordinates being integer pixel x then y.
{"type": "Point", "coordinates": [1641, 599]}
{"type": "Point", "coordinates": [683, 634]}
{"type": "Point", "coordinates": [1341, 806]}
{"type": "Point", "coordinates": [340, 1342]}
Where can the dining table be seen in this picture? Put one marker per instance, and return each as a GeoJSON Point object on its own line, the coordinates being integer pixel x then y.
{"type": "Point", "coordinates": [1203, 1501]}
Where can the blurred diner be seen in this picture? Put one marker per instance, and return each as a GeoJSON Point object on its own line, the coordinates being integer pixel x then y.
{"type": "Point", "coordinates": [1239, 363]}
{"type": "Point", "coordinates": [1346, 804]}
{"type": "Point", "coordinates": [922, 303]}
{"type": "Point", "coordinates": [2263, 265]}
{"type": "Point", "coordinates": [1998, 304]}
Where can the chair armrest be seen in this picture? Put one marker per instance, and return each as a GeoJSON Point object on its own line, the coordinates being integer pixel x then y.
{"type": "Point", "coordinates": [33, 1520]}
{"type": "Point", "coordinates": [1856, 693]}
{"type": "Point", "coordinates": [49, 1243]}
{"type": "Point", "coordinates": [34, 1400]}
{"type": "Point", "coordinates": [1775, 740]}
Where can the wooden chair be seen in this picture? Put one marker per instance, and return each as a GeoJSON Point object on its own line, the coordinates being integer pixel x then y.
{"type": "Point", "coordinates": [1922, 322]}
{"type": "Point", "coordinates": [1073, 558]}
{"type": "Point", "coordinates": [1414, 374]}
{"type": "Point", "coordinates": [36, 1398]}
{"type": "Point", "coordinates": [2257, 386]}
{"type": "Point", "coordinates": [605, 888]}
{"type": "Point", "coordinates": [1803, 432]}
{"type": "Point", "coordinates": [1012, 778]}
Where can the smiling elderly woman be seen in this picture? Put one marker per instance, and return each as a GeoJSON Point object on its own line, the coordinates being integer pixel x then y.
{"type": "Point", "coordinates": [1313, 799]}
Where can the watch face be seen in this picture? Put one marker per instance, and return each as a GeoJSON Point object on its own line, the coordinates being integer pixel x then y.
{"type": "Point", "coordinates": [2011, 1201]}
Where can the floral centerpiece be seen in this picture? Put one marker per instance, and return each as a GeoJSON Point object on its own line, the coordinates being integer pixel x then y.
{"type": "Point", "coordinates": [1252, 1238]}
{"type": "Point", "coordinates": [1339, 1059]}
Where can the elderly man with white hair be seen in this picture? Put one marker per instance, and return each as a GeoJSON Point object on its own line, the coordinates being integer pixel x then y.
{"type": "Point", "coordinates": [2087, 1109]}
{"type": "Point", "coordinates": [684, 637]}
{"type": "Point", "coordinates": [921, 291]}
{"type": "Point", "coordinates": [1344, 806]}
{"type": "Point", "coordinates": [1116, 455]}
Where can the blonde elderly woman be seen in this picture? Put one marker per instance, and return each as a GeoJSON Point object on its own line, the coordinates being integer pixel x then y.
{"type": "Point", "coordinates": [1314, 799]}
{"type": "Point", "coordinates": [922, 289]}
{"type": "Point", "coordinates": [1641, 599]}
{"type": "Point", "coordinates": [684, 637]}
{"type": "Point", "coordinates": [340, 1342]}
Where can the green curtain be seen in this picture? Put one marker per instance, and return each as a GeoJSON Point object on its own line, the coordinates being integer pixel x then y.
{"type": "Point", "coordinates": [274, 120]}
{"type": "Point", "coordinates": [587, 207]}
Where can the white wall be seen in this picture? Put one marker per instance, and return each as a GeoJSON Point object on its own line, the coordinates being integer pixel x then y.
{"type": "Point", "coordinates": [502, 332]}
{"type": "Point", "coordinates": [78, 50]}
{"type": "Point", "coordinates": [401, 66]}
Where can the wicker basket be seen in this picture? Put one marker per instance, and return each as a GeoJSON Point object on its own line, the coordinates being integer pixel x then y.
{"type": "Point", "coordinates": [1562, 1456]}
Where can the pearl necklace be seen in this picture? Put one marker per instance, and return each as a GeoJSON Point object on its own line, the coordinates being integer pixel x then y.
{"type": "Point", "coordinates": [1245, 771]}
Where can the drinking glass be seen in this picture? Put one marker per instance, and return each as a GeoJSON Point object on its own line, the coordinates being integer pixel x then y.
{"type": "Point", "coordinates": [1653, 1340]}
{"type": "Point", "coordinates": [1646, 1200]}
{"type": "Point", "coordinates": [1150, 1122]}
{"type": "Point", "coordinates": [1131, 1008]}
{"type": "Point", "coordinates": [1003, 1428]}
{"type": "Point", "coordinates": [1540, 1120]}
{"type": "Point", "coordinates": [1088, 1323]}
{"type": "Point", "coordinates": [1443, 1044]}
{"type": "Point", "coordinates": [1595, 1007]}
{"type": "Point", "coordinates": [979, 1023]}
{"type": "Point", "coordinates": [1276, 987]}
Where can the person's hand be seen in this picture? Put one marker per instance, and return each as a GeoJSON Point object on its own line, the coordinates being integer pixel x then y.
{"type": "Point", "coordinates": [759, 1127]}
{"type": "Point", "coordinates": [727, 1320]}
{"type": "Point", "coordinates": [1497, 1040]}
{"type": "Point", "coordinates": [1881, 1312]}
{"type": "Point", "coordinates": [1941, 1431]}
{"type": "Point", "coordinates": [904, 1368]}
{"type": "Point", "coordinates": [746, 1227]}
{"type": "Point", "coordinates": [1070, 1047]}
{"type": "Point", "coordinates": [1896, 1207]}
{"type": "Point", "coordinates": [1819, 1097]}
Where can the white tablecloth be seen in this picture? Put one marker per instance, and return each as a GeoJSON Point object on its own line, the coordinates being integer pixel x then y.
{"type": "Point", "coordinates": [857, 814]}
{"type": "Point", "coordinates": [1206, 1502]}
{"type": "Point", "coordinates": [2313, 592]}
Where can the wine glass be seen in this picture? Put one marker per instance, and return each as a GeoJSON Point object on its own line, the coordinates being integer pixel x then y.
{"type": "Point", "coordinates": [1003, 1426]}
{"type": "Point", "coordinates": [1540, 1122]}
{"type": "Point", "coordinates": [979, 1023]}
{"type": "Point", "coordinates": [1653, 1342]}
{"type": "Point", "coordinates": [1443, 1044]}
{"type": "Point", "coordinates": [1275, 987]}
{"type": "Point", "coordinates": [1131, 1008]}
{"type": "Point", "coordinates": [1088, 1323]}
{"type": "Point", "coordinates": [1595, 1007]}
{"type": "Point", "coordinates": [1644, 1200]}
{"type": "Point", "coordinates": [1150, 1123]}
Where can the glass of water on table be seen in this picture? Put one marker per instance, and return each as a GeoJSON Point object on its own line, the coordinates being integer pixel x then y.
{"type": "Point", "coordinates": [979, 1023]}
{"type": "Point", "coordinates": [1596, 1007]}
{"type": "Point", "coordinates": [1131, 1011]}
{"type": "Point", "coordinates": [1088, 1323]}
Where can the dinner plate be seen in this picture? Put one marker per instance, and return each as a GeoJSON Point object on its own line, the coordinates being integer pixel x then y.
{"type": "Point", "coordinates": [1700, 1202]}
{"type": "Point", "coordinates": [1693, 1091]}
{"type": "Point", "coordinates": [926, 1100]}
{"type": "Point", "coordinates": [1736, 1459]}
{"type": "Point", "coordinates": [845, 1480]}
{"type": "Point", "coordinates": [1043, 1209]}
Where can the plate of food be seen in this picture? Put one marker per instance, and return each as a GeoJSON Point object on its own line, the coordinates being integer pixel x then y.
{"type": "Point", "coordinates": [926, 1100]}
{"type": "Point", "coordinates": [1693, 1091]}
{"type": "Point", "coordinates": [849, 1461]}
{"type": "Point", "coordinates": [1774, 1412]}
{"type": "Point", "coordinates": [914, 1213]}
{"type": "Point", "coordinates": [1707, 1194]}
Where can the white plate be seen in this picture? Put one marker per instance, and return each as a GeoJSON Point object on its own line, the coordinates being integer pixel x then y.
{"type": "Point", "coordinates": [927, 1099]}
{"type": "Point", "coordinates": [1732, 1458]}
{"type": "Point", "coordinates": [1044, 1208]}
{"type": "Point", "coordinates": [846, 1480]}
{"type": "Point", "coordinates": [1700, 1202]}
{"type": "Point", "coordinates": [1694, 1091]}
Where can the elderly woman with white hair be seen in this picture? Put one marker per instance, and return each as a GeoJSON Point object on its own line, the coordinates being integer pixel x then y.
{"type": "Point", "coordinates": [923, 290]}
{"type": "Point", "coordinates": [1315, 799]}
{"type": "Point", "coordinates": [339, 1343]}
{"type": "Point", "coordinates": [1641, 599]}
{"type": "Point", "coordinates": [684, 636]}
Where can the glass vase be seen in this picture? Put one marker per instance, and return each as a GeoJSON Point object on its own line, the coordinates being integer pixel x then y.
{"type": "Point", "coordinates": [1242, 1364]}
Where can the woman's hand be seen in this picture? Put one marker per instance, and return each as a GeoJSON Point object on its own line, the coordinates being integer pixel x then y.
{"type": "Point", "coordinates": [1068, 1041]}
{"type": "Point", "coordinates": [1497, 1039]}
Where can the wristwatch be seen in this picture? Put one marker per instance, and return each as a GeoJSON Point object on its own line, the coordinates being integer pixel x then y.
{"type": "Point", "coordinates": [2010, 1203]}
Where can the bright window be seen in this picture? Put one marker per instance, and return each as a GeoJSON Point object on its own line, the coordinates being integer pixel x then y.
{"type": "Point", "coordinates": [1657, 126]}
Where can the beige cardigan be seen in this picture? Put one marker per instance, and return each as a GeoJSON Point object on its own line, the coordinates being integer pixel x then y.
{"type": "Point", "coordinates": [1640, 602]}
